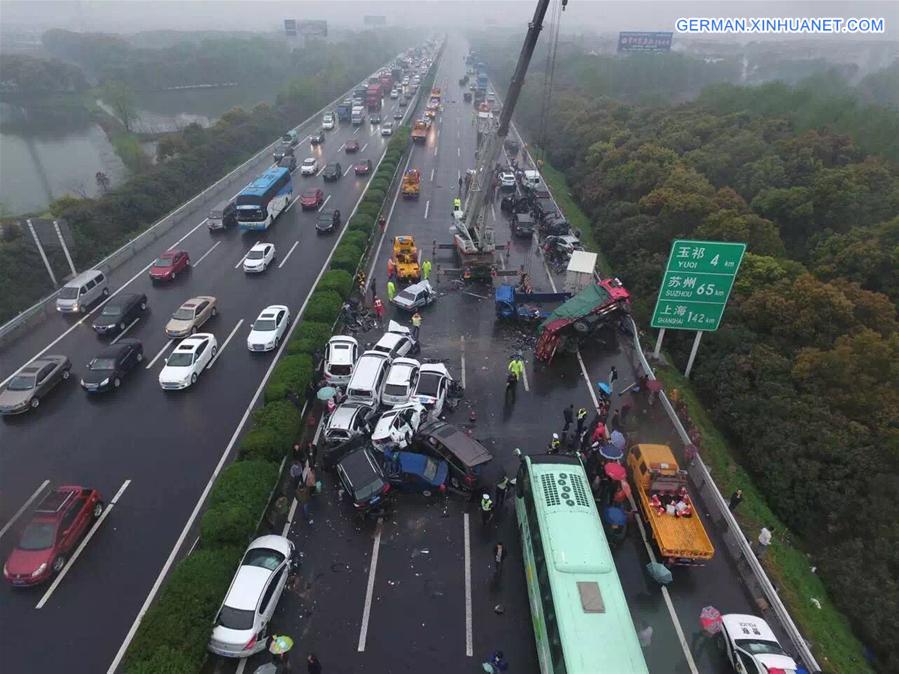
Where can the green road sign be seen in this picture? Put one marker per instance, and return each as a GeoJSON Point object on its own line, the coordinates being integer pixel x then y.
{"type": "Point", "coordinates": [696, 284]}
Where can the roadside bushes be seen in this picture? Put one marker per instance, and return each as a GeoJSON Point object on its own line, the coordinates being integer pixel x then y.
{"type": "Point", "coordinates": [338, 280]}
{"type": "Point", "coordinates": [346, 257]}
{"type": "Point", "coordinates": [291, 374]}
{"type": "Point", "coordinates": [357, 239]}
{"type": "Point", "coordinates": [361, 223]}
{"type": "Point", "coordinates": [324, 305]}
{"type": "Point", "coordinates": [311, 336]}
{"type": "Point", "coordinates": [239, 495]}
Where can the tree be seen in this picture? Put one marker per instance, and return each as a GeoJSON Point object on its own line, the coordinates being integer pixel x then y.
{"type": "Point", "coordinates": [120, 96]}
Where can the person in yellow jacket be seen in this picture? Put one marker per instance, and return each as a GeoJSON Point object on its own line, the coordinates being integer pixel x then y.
{"type": "Point", "coordinates": [391, 290]}
{"type": "Point", "coordinates": [516, 367]}
{"type": "Point", "coordinates": [426, 269]}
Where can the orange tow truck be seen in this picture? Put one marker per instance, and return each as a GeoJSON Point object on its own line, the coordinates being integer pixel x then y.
{"type": "Point", "coordinates": [411, 184]}
{"type": "Point", "coordinates": [405, 255]}
{"type": "Point", "coordinates": [420, 131]}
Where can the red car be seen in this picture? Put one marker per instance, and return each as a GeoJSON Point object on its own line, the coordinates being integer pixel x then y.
{"type": "Point", "coordinates": [352, 146]}
{"type": "Point", "coordinates": [59, 523]}
{"type": "Point", "coordinates": [169, 264]}
{"type": "Point", "coordinates": [363, 168]}
{"type": "Point", "coordinates": [312, 199]}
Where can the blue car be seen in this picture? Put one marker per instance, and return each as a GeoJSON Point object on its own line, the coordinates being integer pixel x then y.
{"type": "Point", "coordinates": [411, 472]}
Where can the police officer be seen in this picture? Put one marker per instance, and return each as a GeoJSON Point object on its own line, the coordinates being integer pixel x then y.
{"type": "Point", "coordinates": [486, 508]}
{"type": "Point", "coordinates": [581, 420]}
{"type": "Point", "coordinates": [555, 444]}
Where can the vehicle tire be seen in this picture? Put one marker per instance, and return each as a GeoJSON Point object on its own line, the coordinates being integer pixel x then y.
{"type": "Point", "coordinates": [214, 351]}
{"type": "Point", "coordinates": [98, 509]}
{"type": "Point", "coordinates": [59, 564]}
{"type": "Point", "coordinates": [116, 382]}
{"type": "Point", "coordinates": [193, 378]}
{"type": "Point", "coordinates": [140, 358]}
{"type": "Point", "coordinates": [174, 276]}
{"type": "Point", "coordinates": [143, 305]}
{"type": "Point", "coordinates": [35, 403]}
{"type": "Point", "coordinates": [66, 374]}
{"type": "Point", "coordinates": [581, 327]}
{"type": "Point", "coordinates": [277, 342]}
{"type": "Point", "coordinates": [215, 311]}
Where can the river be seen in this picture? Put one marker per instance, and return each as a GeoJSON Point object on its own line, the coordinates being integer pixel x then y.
{"type": "Point", "coordinates": [47, 154]}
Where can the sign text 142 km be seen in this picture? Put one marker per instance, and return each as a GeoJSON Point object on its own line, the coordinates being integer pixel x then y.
{"type": "Point", "coordinates": [696, 284]}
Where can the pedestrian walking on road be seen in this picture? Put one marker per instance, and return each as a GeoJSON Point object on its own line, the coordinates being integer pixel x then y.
{"type": "Point", "coordinates": [382, 223]}
{"type": "Point", "coordinates": [735, 499]}
{"type": "Point", "coordinates": [360, 281]}
{"type": "Point", "coordinates": [426, 270]}
{"type": "Point", "coordinates": [568, 414]}
{"type": "Point", "coordinates": [391, 291]}
{"type": "Point", "coordinates": [499, 556]}
{"type": "Point", "coordinates": [500, 492]}
{"type": "Point", "coordinates": [615, 423]}
{"type": "Point", "coordinates": [486, 509]}
{"type": "Point", "coordinates": [613, 377]}
{"type": "Point", "coordinates": [391, 269]}
{"type": "Point", "coordinates": [765, 536]}
{"type": "Point", "coordinates": [511, 386]}
{"type": "Point", "coordinates": [416, 325]}
{"type": "Point", "coordinates": [296, 473]}
{"type": "Point", "coordinates": [516, 366]}
{"type": "Point", "coordinates": [302, 495]}
{"type": "Point", "coordinates": [313, 666]}
{"type": "Point", "coordinates": [379, 310]}
{"type": "Point", "coordinates": [581, 420]}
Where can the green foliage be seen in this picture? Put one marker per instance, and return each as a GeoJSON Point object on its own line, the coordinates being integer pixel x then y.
{"type": "Point", "coordinates": [310, 337]}
{"type": "Point", "coordinates": [291, 374]}
{"type": "Point", "coordinates": [361, 223]}
{"type": "Point", "coordinates": [379, 183]}
{"type": "Point", "coordinates": [236, 501]}
{"type": "Point", "coordinates": [120, 96]}
{"type": "Point", "coordinates": [374, 196]}
{"type": "Point", "coordinates": [357, 239]}
{"type": "Point", "coordinates": [23, 74]}
{"type": "Point", "coordinates": [346, 258]}
{"type": "Point", "coordinates": [337, 280]}
{"type": "Point", "coordinates": [324, 305]}
{"type": "Point", "coordinates": [127, 146]}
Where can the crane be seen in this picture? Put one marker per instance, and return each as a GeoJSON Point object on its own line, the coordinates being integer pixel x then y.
{"type": "Point", "coordinates": [473, 238]}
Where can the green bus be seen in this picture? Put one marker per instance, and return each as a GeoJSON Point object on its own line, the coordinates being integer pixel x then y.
{"type": "Point", "coordinates": [582, 624]}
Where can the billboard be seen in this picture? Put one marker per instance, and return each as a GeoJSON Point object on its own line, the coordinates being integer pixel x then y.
{"type": "Point", "coordinates": [640, 41]}
{"type": "Point", "coordinates": [374, 20]}
{"type": "Point", "coordinates": [313, 28]}
{"type": "Point", "coordinates": [290, 27]}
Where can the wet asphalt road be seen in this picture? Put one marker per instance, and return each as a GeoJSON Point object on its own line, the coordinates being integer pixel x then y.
{"type": "Point", "coordinates": [166, 444]}
{"type": "Point", "coordinates": [417, 619]}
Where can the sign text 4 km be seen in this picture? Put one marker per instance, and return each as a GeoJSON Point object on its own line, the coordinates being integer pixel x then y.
{"type": "Point", "coordinates": [696, 284]}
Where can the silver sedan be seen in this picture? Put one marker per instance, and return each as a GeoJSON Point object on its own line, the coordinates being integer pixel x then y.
{"type": "Point", "coordinates": [25, 390]}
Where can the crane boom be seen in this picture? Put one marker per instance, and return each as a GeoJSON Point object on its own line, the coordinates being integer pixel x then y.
{"type": "Point", "coordinates": [473, 236]}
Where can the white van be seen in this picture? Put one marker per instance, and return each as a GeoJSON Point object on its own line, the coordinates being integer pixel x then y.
{"type": "Point", "coordinates": [82, 291]}
{"type": "Point", "coordinates": [531, 179]}
{"type": "Point", "coordinates": [368, 379]}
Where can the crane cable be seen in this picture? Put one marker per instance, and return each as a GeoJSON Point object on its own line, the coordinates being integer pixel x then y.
{"type": "Point", "coordinates": [550, 72]}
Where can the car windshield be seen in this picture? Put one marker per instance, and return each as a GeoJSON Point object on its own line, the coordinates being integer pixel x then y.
{"type": "Point", "coordinates": [215, 215]}
{"type": "Point", "coordinates": [163, 262]}
{"type": "Point", "coordinates": [112, 310]}
{"type": "Point", "coordinates": [180, 359]}
{"type": "Point", "coordinates": [407, 295]}
{"type": "Point", "coordinates": [430, 471]}
{"type": "Point", "coordinates": [256, 255]}
{"type": "Point", "coordinates": [68, 293]}
{"type": "Point", "coordinates": [428, 384]}
{"type": "Point", "coordinates": [184, 314]}
{"type": "Point", "coordinates": [38, 536]}
{"type": "Point", "coordinates": [758, 647]}
{"type": "Point", "coordinates": [264, 558]}
{"type": "Point", "coordinates": [310, 195]}
{"type": "Point", "coordinates": [102, 364]}
{"type": "Point", "coordinates": [265, 325]}
{"type": "Point", "coordinates": [369, 489]}
{"type": "Point", "coordinates": [236, 619]}
{"type": "Point", "coordinates": [22, 382]}
{"type": "Point", "coordinates": [309, 162]}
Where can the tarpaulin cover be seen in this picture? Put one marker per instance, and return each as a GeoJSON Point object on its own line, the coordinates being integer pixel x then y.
{"type": "Point", "coordinates": [582, 304]}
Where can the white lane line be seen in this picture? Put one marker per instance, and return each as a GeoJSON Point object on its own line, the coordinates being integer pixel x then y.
{"type": "Point", "coordinates": [193, 546]}
{"type": "Point", "coordinates": [469, 649]}
{"type": "Point", "coordinates": [362, 149]}
{"type": "Point", "coordinates": [458, 151]}
{"type": "Point", "coordinates": [348, 169]}
{"type": "Point", "coordinates": [462, 339]}
{"type": "Point", "coordinates": [224, 344]}
{"type": "Point", "coordinates": [342, 145]}
{"type": "Point", "coordinates": [493, 210]}
{"type": "Point", "coordinates": [127, 328]}
{"type": "Point", "coordinates": [161, 351]}
{"type": "Point", "coordinates": [369, 590]}
{"type": "Point", "coordinates": [357, 130]}
{"type": "Point", "coordinates": [99, 306]}
{"type": "Point", "coordinates": [432, 174]}
{"type": "Point", "coordinates": [524, 377]}
{"type": "Point", "coordinates": [427, 208]}
{"type": "Point", "coordinates": [284, 261]}
{"type": "Point", "coordinates": [205, 220]}
{"type": "Point", "coordinates": [90, 534]}
{"type": "Point", "coordinates": [290, 205]}
{"type": "Point", "coordinates": [321, 170]}
{"type": "Point", "coordinates": [241, 665]}
{"type": "Point", "coordinates": [324, 203]}
{"type": "Point", "coordinates": [240, 261]}
{"type": "Point", "coordinates": [37, 492]}
{"type": "Point", "coordinates": [436, 147]}
{"type": "Point", "coordinates": [459, 174]}
{"type": "Point", "coordinates": [203, 256]}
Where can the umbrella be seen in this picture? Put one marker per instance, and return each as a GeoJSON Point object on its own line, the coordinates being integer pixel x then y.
{"type": "Point", "coordinates": [326, 392]}
{"type": "Point", "coordinates": [615, 471]}
{"type": "Point", "coordinates": [659, 572]}
{"type": "Point", "coordinates": [618, 440]}
{"type": "Point", "coordinates": [605, 388]}
{"type": "Point", "coordinates": [710, 620]}
{"type": "Point", "coordinates": [611, 452]}
{"type": "Point", "coordinates": [267, 668]}
{"type": "Point", "coordinates": [614, 516]}
{"type": "Point", "coordinates": [654, 385]}
{"type": "Point", "coordinates": [280, 644]}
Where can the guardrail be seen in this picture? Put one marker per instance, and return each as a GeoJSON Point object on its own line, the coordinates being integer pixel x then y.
{"type": "Point", "coordinates": [46, 306]}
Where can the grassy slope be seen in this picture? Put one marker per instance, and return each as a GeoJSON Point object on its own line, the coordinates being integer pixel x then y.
{"type": "Point", "coordinates": [836, 647]}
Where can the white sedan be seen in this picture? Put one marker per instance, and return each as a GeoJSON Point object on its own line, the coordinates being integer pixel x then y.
{"type": "Point", "coordinates": [396, 427]}
{"type": "Point", "coordinates": [187, 362]}
{"type": "Point", "coordinates": [259, 258]}
{"type": "Point", "coordinates": [267, 330]}
{"type": "Point", "coordinates": [507, 180]}
{"type": "Point", "coordinates": [401, 380]}
{"type": "Point", "coordinates": [309, 167]}
{"type": "Point", "coordinates": [433, 386]}
{"type": "Point", "coordinates": [751, 646]}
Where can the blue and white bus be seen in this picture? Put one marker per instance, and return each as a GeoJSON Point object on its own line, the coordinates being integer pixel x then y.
{"type": "Point", "coordinates": [260, 202]}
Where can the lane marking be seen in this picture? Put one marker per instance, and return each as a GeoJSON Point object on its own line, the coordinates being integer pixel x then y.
{"type": "Point", "coordinates": [77, 553]}
{"type": "Point", "coordinates": [290, 205]}
{"type": "Point", "coordinates": [349, 168]}
{"type": "Point", "coordinates": [193, 546]}
{"type": "Point", "coordinates": [524, 377]}
{"type": "Point", "coordinates": [462, 338]}
{"type": "Point", "coordinates": [436, 147]}
{"type": "Point", "coordinates": [458, 151]}
{"type": "Point", "coordinates": [224, 344]}
{"type": "Point", "coordinates": [427, 208]}
{"type": "Point", "coordinates": [321, 170]}
{"type": "Point", "coordinates": [366, 610]}
{"type": "Point", "coordinates": [161, 351]}
{"type": "Point", "coordinates": [240, 261]}
{"type": "Point", "coordinates": [493, 210]}
{"type": "Point", "coordinates": [459, 174]}
{"type": "Point", "coordinates": [342, 145]}
{"type": "Point", "coordinates": [127, 328]}
{"type": "Point", "coordinates": [362, 149]}
{"type": "Point", "coordinates": [241, 665]}
{"type": "Point", "coordinates": [469, 649]}
{"type": "Point", "coordinates": [203, 257]}
{"type": "Point", "coordinates": [357, 130]}
{"type": "Point", "coordinates": [37, 492]}
{"type": "Point", "coordinates": [432, 175]}
{"type": "Point", "coordinates": [284, 261]}
{"type": "Point", "coordinates": [324, 203]}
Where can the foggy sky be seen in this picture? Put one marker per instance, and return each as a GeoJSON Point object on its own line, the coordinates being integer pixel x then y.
{"type": "Point", "coordinates": [127, 16]}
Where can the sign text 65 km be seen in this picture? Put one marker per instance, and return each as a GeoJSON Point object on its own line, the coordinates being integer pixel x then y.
{"type": "Point", "coordinates": [696, 284]}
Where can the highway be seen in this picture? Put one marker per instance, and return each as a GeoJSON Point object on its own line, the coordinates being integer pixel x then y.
{"type": "Point", "coordinates": [414, 591]}
{"type": "Point", "coordinates": [155, 451]}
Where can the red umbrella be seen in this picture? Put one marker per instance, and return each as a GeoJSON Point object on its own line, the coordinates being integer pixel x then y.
{"type": "Point", "coordinates": [654, 385]}
{"type": "Point", "coordinates": [615, 471]}
{"type": "Point", "coordinates": [710, 620]}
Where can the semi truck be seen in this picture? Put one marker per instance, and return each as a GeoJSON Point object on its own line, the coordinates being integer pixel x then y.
{"type": "Point", "coordinates": [345, 110]}
{"type": "Point", "coordinates": [373, 97]}
{"type": "Point", "coordinates": [358, 115]}
{"type": "Point", "coordinates": [512, 304]}
{"type": "Point", "coordinates": [664, 500]}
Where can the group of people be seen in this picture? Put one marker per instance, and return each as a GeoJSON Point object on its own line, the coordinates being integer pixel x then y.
{"type": "Point", "coordinates": [670, 502]}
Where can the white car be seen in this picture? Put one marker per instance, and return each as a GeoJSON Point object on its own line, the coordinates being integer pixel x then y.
{"type": "Point", "coordinates": [241, 625]}
{"type": "Point", "coordinates": [415, 296]}
{"type": "Point", "coordinates": [259, 258]}
{"type": "Point", "coordinates": [751, 646]}
{"type": "Point", "coordinates": [340, 359]}
{"type": "Point", "coordinates": [507, 180]}
{"type": "Point", "coordinates": [348, 421]}
{"type": "Point", "coordinates": [267, 330]}
{"type": "Point", "coordinates": [328, 121]}
{"type": "Point", "coordinates": [394, 93]}
{"type": "Point", "coordinates": [396, 427]}
{"type": "Point", "coordinates": [187, 362]}
{"type": "Point", "coordinates": [401, 381]}
{"type": "Point", "coordinates": [396, 342]}
{"type": "Point", "coordinates": [309, 167]}
{"type": "Point", "coordinates": [433, 386]}
{"type": "Point", "coordinates": [387, 129]}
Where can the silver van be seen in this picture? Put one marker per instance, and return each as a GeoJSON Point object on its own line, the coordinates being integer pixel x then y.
{"type": "Point", "coordinates": [368, 379]}
{"type": "Point", "coordinates": [222, 216]}
{"type": "Point", "coordinates": [82, 291]}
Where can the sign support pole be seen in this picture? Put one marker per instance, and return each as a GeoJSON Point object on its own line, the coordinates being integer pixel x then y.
{"type": "Point", "coordinates": [655, 354]}
{"type": "Point", "coordinates": [693, 353]}
{"type": "Point", "coordinates": [65, 248]}
{"type": "Point", "coordinates": [40, 249]}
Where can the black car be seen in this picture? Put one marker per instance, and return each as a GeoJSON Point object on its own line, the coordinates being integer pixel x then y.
{"type": "Point", "coordinates": [398, 114]}
{"type": "Point", "coordinates": [108, 368]}
{"type": "Point", "coordinates": [464, 454]}
{"type": "Point", "coordinates": [555, 225]}
{"type": "Point", "coordinates": [289, 162]}
{"type": "Point", "coordinates": [523, 224]}
{"type": "Point", "coordinates": [374, 118]}
{"type": "Point", "coordinates": [119, 312]}
{"type": "Point", "coordinates": [328, 221]}
{"type": "Point", "coordinates": [332, 172]}
{"type": "Point", "coordinates": [283, 150]}
{"type": "Point", "coordinates": [318, 137]}
{"type": "Point", "coordinates": [362, 479]}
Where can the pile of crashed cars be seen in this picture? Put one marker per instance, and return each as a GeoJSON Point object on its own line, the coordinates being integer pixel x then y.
{"type": "Point", "coordinates": [388, 435]}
